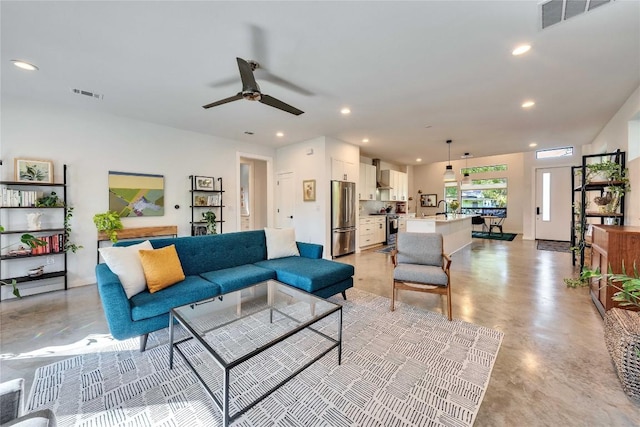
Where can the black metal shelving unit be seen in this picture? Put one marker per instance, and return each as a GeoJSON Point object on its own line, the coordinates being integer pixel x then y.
{"type": "Point", "coordinates": [4, 235]}
{"type": "Point", "coordinates": [581, 217]}
{"type": "Point", "coordinates": [198, 209]}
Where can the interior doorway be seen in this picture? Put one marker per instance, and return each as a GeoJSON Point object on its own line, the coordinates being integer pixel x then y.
{"type": "Point", "coordinates": [253, 192]}
{"type": "Point", "coordinates": [553, 204]}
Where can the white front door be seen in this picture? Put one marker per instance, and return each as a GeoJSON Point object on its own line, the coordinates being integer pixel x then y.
{"type": "Point", "coordinates": [553, 203]}
{"type": "Point", "coordinates": [285, 197]}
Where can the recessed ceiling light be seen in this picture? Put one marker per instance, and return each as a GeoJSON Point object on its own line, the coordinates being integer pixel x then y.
{"type": "Point", "coordinates": [279, 134]}
{"type": "Point", "coordinates": [528, 104]}
{"type": "Point", "coordinates": [365, 140]}
{"type": "Point", "coordinates": [24, 65]}
{"type": "Point", "coordinates": [524, 48]}
{"type": "Point", "coordinates": [533, 144]}
{"type": "Point", "coordinates": [345, 111]}
{"type": "Point", "coordinates": [418, 159]}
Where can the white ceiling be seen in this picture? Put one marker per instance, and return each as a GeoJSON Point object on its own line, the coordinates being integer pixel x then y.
{"type": "Point", "coordinates": [399, 66]}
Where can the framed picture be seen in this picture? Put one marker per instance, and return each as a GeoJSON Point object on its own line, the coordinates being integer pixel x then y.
{"type": "Point", "coordinates": [429, 200]}
{"type": "Point", "coordinates": [309, 190]}
{"type": "Point", "coordinates": [33, 171]}
{"type": "Point", "coordinates": [204, 183]}
{"type": "Point", "coordinates": [200, 201]}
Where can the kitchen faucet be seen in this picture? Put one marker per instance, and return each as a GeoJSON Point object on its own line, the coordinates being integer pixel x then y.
{"type": "Point", "coordinates": [445, 208]}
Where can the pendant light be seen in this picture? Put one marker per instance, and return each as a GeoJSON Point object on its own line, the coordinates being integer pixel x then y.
{"type": "Point", "coordinates": [466, 180]}
{"type": "Point", "coordinates": [449, 175]}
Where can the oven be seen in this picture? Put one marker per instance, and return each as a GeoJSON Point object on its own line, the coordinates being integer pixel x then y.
{"type": "Point", "coordinates": [392, 229]}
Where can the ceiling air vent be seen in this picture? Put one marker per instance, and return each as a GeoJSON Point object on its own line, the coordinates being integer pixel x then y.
{"type": "Point", "coordinates": [554, 11]}
{"type": "Point", "coordinates": [87, 93]}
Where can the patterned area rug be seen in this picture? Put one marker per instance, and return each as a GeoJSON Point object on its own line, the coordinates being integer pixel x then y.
{"type": "Point", "coordinates": [493, 236]}
{"type": "Point", "coordinates": [404, 368]}
{"type": "Point", "coordinates": [553, 245]}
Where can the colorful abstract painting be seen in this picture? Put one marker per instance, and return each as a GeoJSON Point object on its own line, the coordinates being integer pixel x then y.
{"type": "Point", "coordinates": [136, 194]}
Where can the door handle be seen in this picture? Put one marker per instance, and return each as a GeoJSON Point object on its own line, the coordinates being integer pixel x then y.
{"type": "Point", "coordinates": [538, 210]}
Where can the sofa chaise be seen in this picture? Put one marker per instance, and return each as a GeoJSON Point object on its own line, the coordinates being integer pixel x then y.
{"type": "Point", "coordinates": [215, 265]}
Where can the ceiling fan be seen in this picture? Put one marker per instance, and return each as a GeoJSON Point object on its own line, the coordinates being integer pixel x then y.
{"type": "Point", "coordinates": [251, 90]}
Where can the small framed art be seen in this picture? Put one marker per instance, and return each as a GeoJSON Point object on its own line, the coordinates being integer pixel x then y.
{"type": "Point", "coordinates": [309, 190]}
{"type": "Point", "coordinates": [204, 183]}
{"type": "Point", "coordinates": [33, 171]}
{"type": "Point", "coordinates": [428, 200]}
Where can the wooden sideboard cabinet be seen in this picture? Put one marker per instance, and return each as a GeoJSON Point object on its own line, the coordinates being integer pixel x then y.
{"type": "Point", "coordinates": [611, 246]}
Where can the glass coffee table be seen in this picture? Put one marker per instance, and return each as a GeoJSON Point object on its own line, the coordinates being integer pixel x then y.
{"type": "Point", "coordinates": [269, 331]}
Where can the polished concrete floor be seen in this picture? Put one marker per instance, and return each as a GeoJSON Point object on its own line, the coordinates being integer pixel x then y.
{"type": "Point", "coordinates": [553, 368]}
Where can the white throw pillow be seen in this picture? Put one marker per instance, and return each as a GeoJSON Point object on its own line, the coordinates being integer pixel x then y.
{"type": "Point", "coordinates": [281, 242]}
{"type": "Point", "coordinates": [125, 262]}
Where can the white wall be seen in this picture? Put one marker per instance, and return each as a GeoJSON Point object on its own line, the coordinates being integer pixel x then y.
{"type": "Point", "coordinates": [91, 144]}
{"type": "Point", "coordinates": [616, 135]}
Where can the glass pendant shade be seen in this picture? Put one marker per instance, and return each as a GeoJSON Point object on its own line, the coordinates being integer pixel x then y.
{"type": "Point", "coordinates": [466, 180]}
{"type": "Point", "coordinates": [449, 175]}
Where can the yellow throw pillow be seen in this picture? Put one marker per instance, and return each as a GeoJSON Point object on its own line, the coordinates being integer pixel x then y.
{"type": "Point", "coordinates": [161, 267]}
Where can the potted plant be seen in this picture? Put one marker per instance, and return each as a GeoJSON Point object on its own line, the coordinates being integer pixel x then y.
{"type": "Point", "coordinates": [454, 205]}
{"type": "Point", "coordinates": [210, 218]}
{"type": "Point", "coordinates": [108, 222]}
{"type": "Point", "coordinates": [31, 241]}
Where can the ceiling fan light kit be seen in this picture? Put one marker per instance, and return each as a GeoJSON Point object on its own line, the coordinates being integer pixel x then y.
{"type": "Point", "coordinates": [449, 174]}
{"type": "Point", "coordinates": [251, 91]}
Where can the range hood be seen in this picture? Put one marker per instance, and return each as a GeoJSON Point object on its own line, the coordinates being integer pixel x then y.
{"type": "Point", "coordinates": [379, 184]}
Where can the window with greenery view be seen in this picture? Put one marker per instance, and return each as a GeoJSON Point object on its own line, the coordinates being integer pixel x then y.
{"type": "Point", "coordinates": [485, 193]}
{"type": "Point", "coordinates": [450, 191]}
{"type": "Point", "coordinates": [482, 169]}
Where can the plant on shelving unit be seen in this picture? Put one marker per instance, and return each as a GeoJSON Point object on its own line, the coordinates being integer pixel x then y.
{"type": "Point", "coordinates": [68, 245]}
{"type": "Point", "coordinates": [611, 171]}
{"type": "Point", "coordinates": [210, 218]}
{"type": "Point", "coordinates": [110, 223]}
{"type": "Point", "coordinates": [50, 201]}
{"type": "Point", "coordinates": [31, 241]}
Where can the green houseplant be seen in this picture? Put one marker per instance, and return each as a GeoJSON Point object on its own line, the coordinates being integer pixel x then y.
{"type": "Point", "coordinates": [31, 241]}
{"type": "Point", "coordinates": [210, 219]}
{"type": "Point", "coordinates": [108, 222]}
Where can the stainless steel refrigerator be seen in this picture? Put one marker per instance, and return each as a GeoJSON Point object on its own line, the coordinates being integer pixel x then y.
{"type": "Point", "coordinates": [343, 218]}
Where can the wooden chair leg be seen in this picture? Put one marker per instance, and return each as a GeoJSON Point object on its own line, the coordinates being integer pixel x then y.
{"type": "Point", "coordinates": [393, 296]}
{"type": "Point", "coordinates": [449, 301]}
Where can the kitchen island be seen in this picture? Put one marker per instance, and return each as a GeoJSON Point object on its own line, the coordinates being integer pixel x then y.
{"type": "Point", "coordinates": [456, 232]}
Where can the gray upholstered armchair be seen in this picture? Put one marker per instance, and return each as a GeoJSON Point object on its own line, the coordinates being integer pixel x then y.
{"type": "Point", "coordinates": [420, 265]}
{"type": "Point", "coordinates": [11, 407]}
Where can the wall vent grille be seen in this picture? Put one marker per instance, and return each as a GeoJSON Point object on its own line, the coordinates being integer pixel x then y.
{"type": "Point", "coordinates": [555, 11]}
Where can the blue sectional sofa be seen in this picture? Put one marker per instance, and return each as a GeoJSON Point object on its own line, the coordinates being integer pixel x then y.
{"type": "Point", "coordinates": [214, 265]}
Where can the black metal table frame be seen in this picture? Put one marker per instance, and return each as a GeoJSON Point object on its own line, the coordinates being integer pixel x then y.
{"type": "Point", "coordinates": [224, 405]}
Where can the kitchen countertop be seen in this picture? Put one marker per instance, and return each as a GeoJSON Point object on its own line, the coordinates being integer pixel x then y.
{"type": "Point", "coordinates": [440, 218]}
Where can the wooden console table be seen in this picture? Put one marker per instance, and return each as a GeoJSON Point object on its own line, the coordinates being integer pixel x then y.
{"type": "Point", "coordinates": [611, 246]}
{"type": "Point", "coordinates": [139, 232]}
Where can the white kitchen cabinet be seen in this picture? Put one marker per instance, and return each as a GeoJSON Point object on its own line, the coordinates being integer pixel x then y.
{"type": "Point", "coordinates": [342, 170]}
{"type": "Point", "coordinates": [399, 183]}
{"type": "Point", "coordinates": [371, 230]}
{"type": "Point", "coordinates": [367, 182]}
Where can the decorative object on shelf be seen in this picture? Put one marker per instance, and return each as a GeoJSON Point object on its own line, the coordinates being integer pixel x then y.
{"type": "Point", "coordinates": [428, 200]}
{"type": "Point", "coordinates": [210, 218]}
{"type": "Point", "coordinates": [449, 174]}
{"type": "Point", "coordinates": [110, 223]}
{"type": "Point", "coordinates": [37, 271]}
{"type": "Point", "coordinates": [50, 201]}
{"type": "Point", "coordinates": [199, 200]}
{"type": "Point", "coordinates": [309, 190]}
{"type": "Point", "coordinates": [136, 194]}
{"type": "Point", "coordinates": [603, 201]}
{"type": "Point", "coordinates": [454, 205]}
{"type": "Point", "coordinates": [30, 241]}
{"type": "Point", "coordinates": [34, 221]}
{"type": "Point", "coordinates": [33, 171]}
{"type": "Point", "coordinates": [204, 183]}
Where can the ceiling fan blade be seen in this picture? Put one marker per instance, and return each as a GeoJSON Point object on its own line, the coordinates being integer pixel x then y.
{"type": "Point", "coordinates": [246, 74]}
{"type": "Point", "coordinates": [266, 75]}
{"type": "Point", "coordinates": [224, 101]}
{"type": "Point", "coordinates": [273, 102]}
{"type": "Point", "coordinates": [259, 44]}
